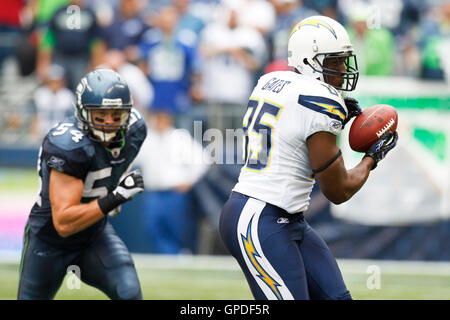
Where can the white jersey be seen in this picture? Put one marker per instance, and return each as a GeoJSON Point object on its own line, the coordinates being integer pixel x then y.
{"type": "Point", "coordinates": [285, 108]}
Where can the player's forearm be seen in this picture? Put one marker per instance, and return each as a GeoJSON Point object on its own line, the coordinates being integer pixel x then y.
{"type": "Point", "coordinates": [356, 178]}
{"type": "Point", "coordinates": [76, 218]}
{"type": "Point", "coordinates": [339, 184]}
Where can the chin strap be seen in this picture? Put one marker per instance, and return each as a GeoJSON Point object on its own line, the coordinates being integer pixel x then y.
{"type": "Point", "coordinates": [121, 146]}
{"type": "Point", "coordinates": [103, 136]}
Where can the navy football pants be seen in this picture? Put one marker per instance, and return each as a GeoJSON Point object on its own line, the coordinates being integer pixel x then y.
{"type": "Point", "coordinates": [106, 264]}
{"type": "Point", "coordinates": [281, 255]}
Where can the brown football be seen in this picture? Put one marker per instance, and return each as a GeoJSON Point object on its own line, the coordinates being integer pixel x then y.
{"type": "Point", "coordinates": [370, 125]}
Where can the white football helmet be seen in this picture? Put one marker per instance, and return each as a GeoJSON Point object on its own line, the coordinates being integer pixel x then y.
{"type": "Point", "coordinates": [317, 38]}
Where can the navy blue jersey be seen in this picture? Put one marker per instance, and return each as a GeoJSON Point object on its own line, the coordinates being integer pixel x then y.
{"type": "Point", "coordinates": [68, 150]}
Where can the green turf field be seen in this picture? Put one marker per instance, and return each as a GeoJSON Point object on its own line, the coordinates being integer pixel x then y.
{"type": "Point", "coordinates": [205, 278]}
{"type": "Point", "coordinates": [14, 180]}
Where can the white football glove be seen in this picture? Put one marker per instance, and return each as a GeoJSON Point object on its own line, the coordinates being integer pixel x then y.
{"type": "Point", "coordinates": [129, 185]}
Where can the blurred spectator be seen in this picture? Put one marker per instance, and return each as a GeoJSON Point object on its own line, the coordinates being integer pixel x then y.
{"type": "Point", "coordinates": [44, 10]}
{"type": "Point", "coordinates": [288, 14]}
{"type": "Point", "coordinates": [435, 31]}
{"type": "Point", "coordinates": [408, 58]}
{"type": "Point", "coordinates": [444, 49]}
{"type": "Point", "coordinates": [141, 89]}
{"type": "Point", "coordinates": [323, 7]}
{"type": "Point", "coordinates": [257, 14]}
{"type": "Point", "coordinates": [169, 62]}
{"type": "Point", "coordinates": [171, 162]}
{"type": "Point", "coordinates": [407, 55]}
{"type": "Point", "coordinates": [9, 27]}
{"type": "Point", "coordinates": [34, 18]}
{"type": "Point", "coordinates": [374, 46]}
{"type": "Point", "coordinates": [72, 41]}
{"type": "Point", "coordinates": [124, 30]}
{"type": "Point", "coordinates": [232, 54]}
{"type": "Point", "coordinates": [53, 102]}
{"type": "Point", "coordinates": [410, 15]}
{"type": "Point", "coordinates": [187, 20]}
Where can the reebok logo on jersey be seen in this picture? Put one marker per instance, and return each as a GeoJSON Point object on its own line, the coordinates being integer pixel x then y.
{"type": "Point", "coordinates": [282, 220]}
{"type": "Point", "coordinates": [335, 126]}
{"type": "Point", "coordinates": [56, 163]}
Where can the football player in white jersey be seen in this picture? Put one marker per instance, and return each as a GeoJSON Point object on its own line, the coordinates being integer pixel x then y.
{"type": "Point", "coordinates": [291, 127]}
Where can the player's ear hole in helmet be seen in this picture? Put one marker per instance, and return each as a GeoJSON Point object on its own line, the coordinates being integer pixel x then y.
{"type": "Point", "coordinates": [103, 106]}
{"type": "Point", "coordinates": [320, 47]}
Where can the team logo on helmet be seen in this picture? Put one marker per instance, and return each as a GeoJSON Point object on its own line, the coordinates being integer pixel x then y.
{"type": "Point", "coordinates": [314, 23]}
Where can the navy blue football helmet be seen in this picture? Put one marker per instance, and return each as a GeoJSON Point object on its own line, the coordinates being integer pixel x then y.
{"type": "Point", "coordinates": [103, 89]}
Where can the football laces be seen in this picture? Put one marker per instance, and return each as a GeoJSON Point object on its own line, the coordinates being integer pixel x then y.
{"type": "Point", "coordinates": [385, 128]}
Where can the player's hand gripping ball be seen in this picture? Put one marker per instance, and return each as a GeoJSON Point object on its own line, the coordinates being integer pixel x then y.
{"type": "Point", "coordinates": [371, 125]}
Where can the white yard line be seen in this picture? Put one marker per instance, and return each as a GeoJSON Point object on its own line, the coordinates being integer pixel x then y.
{"type": "Point", "coordinates": [212, 263]}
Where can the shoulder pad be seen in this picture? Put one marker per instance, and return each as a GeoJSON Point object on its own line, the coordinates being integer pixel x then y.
{"type": "Point", "coordinates": [67, 136]}
{"type": "Point", "coordinates": [137, 128]}
{"type": "Point", "coordinates": [136, 120]}
{"type": "Point", "coordinates": [68, 149]}
{"type": "Point", "coordinates": [325, 99]}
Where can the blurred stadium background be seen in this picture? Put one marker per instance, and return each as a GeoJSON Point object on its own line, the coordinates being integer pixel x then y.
{"type": "Point", "coordinates": [400, 220]}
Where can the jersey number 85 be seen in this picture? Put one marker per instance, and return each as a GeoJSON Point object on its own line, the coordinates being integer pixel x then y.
{"type": "Point", "coordinates": [258, 133]}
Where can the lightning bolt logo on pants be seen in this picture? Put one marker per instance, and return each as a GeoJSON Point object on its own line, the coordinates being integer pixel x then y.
{"type": "Point", "coordinates": [253, 254]}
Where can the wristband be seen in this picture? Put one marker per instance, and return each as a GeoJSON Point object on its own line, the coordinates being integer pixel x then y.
{"type": "Point", "coordinates": [109, 202]}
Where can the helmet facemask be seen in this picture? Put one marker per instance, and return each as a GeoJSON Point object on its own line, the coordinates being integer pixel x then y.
{"type": "Point", "coordinates": [329, 65]}
{"type": "Point", "coordinates": [94, 118]}
{"type": "Point", "coordinates": [341, 80]}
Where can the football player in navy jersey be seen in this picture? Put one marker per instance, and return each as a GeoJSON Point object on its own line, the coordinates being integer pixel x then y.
{"type": "Point", "coordinates": [83, 168]}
